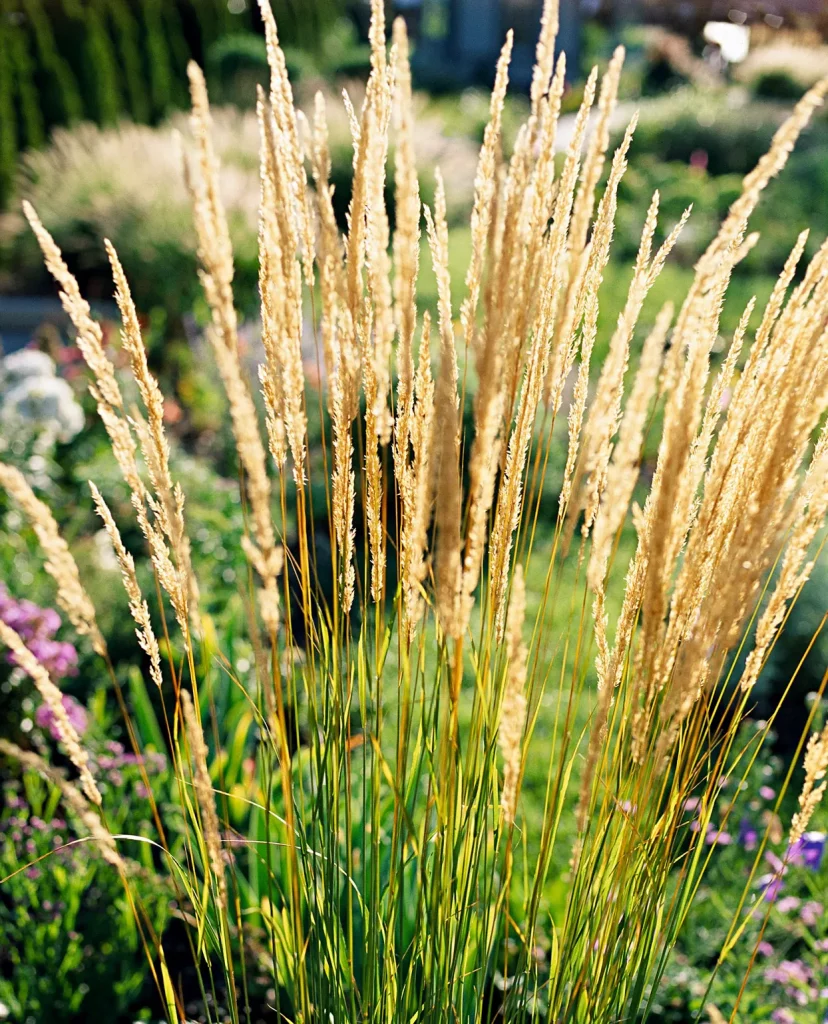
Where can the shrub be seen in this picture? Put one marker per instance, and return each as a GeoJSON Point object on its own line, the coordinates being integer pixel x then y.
{"type": "Point", "coordinates": [125, 184]}
{"type": "Point", "coordinates": [348, 814]}
{"type": "Point", "coordinates": [237, 63]}
{"type": "Point", "coordinates": [733, 135]}
{"type": "Point", "coordinates": [772, 71]}
{"type": "Point", "coordinates": [73, 946]}
{"type": "Point", "coordinates": [67, 62]}
{"type": "Point", "coordinates": [776, 84]}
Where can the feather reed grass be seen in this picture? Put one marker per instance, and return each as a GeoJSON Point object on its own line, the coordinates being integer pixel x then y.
{"type": "Point", "coordinates": [386, 815]}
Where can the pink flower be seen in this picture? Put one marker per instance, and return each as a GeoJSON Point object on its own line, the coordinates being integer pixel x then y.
{"type": "Point", "coordinates": [787, 903]}
{"type": "Point", "coordinates": [76, 713]}
{"type": "Point", "coordinates": [699, 160]}
{"type": "Point", "coordinates": [767, 793]}
{"type": "Point", "coordinates": [720, 838]}
{"type": "Point", "coordinates": [775, 862]}
{"type": "Point", "coordinates": [748, 836]}
{"type": "Point", "coordinates": [789, 972]}
{"type": "Point", "coordinates": [811, 913]}
{"type": "Point", "coordinates": [36, 627]}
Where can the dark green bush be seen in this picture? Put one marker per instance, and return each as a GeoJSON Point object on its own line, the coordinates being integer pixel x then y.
{"type": "Point", "coordinates": [235, 64]}
{"type": "Point", "coordinates": [776, 84]}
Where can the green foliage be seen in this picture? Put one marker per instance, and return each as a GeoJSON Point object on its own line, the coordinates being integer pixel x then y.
{"type": "Point", "coordinates": [236, 64]}
{"type": "Point", "coordinates": [72, 948]}
{"type": "Point", "coordinates": [733, 135]}
{"type": "Point", "coordinates": [101, 60]}
{"type": "Point", "coordinates": [700, 161]}
{"type": "Point", "coordinates": [776, 84]}
{"type": "Point", "coordinates": [141, 204]}
{"type": "Point", "coordinates": [67, 61]}
{"type": "Point", "coordinates": [781, 926]}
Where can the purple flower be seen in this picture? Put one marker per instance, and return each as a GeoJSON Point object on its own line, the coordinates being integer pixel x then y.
{"type": "Point", "coordinates": [37, 627]}
{"type": "Point", "coordinates": [807, 850]}
{"type": "Point", "coordinates": [58, 657]}
{"type": "Point", "coordinates": [764, 948]}
{"type": "Point", "coordinates": [45, 717]}
{"type": "Point", "coordinates": [748, 836]}
{"type": "Point", "coordinates": [719, 837]}
{"type": "Point", "coordinates": [767, 793]}
{"type": "Point", "coordinates": [782, 1016]}
{"type": "Point", "coordinates": [771, 886]}
{"type": "Point", "coordinates": [691, 803]}
{"type": "Point", "coordinates": [776, 862]}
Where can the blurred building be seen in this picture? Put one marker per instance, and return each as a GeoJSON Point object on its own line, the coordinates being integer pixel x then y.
{"type": "Point", "coordinates": [459, 40]}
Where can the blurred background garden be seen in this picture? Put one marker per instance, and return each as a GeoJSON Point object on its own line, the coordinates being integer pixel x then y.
{"type": "Point", "coordinates": [93, 98]}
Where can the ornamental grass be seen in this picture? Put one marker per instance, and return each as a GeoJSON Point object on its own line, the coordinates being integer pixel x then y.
{"type": "Point", "coordinates": [386, 869]}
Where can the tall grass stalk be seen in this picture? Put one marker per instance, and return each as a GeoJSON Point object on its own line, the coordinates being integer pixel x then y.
{"type": "Point", "coordinates": [386, 870]}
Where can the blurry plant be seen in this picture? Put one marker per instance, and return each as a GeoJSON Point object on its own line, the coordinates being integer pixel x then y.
{"type": "Point", "coordinates": [773, 71]}
{"type": "Point", "coordinates": [65, 61]}
{"type": "Point", "coordinates": [804, 644]}
{"type": "Point", "coordinates": [72, 946]}
{"type": "Point", "coordinates": [236, 64]}
{"type": "Point", "coordinates": [781, 931]}
{"type": "Point", "coordinates": [669, 62]}
{"type": "Point", "coordinates": [36, 402]}
{"type": "Point", "coordinates": [732, 133]}
{"type": "Point", "coordinates": [692, 159]}
{"type": "Point", "coordinates": [125, 184]}
{"type": "Point", "coordinates": [776, 84]}
{"type": "Point", "coordinates": [37, 626]}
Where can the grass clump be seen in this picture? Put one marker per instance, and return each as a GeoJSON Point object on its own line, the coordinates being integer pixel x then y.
{"type": "Point", "coordinates": [376, 865]}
